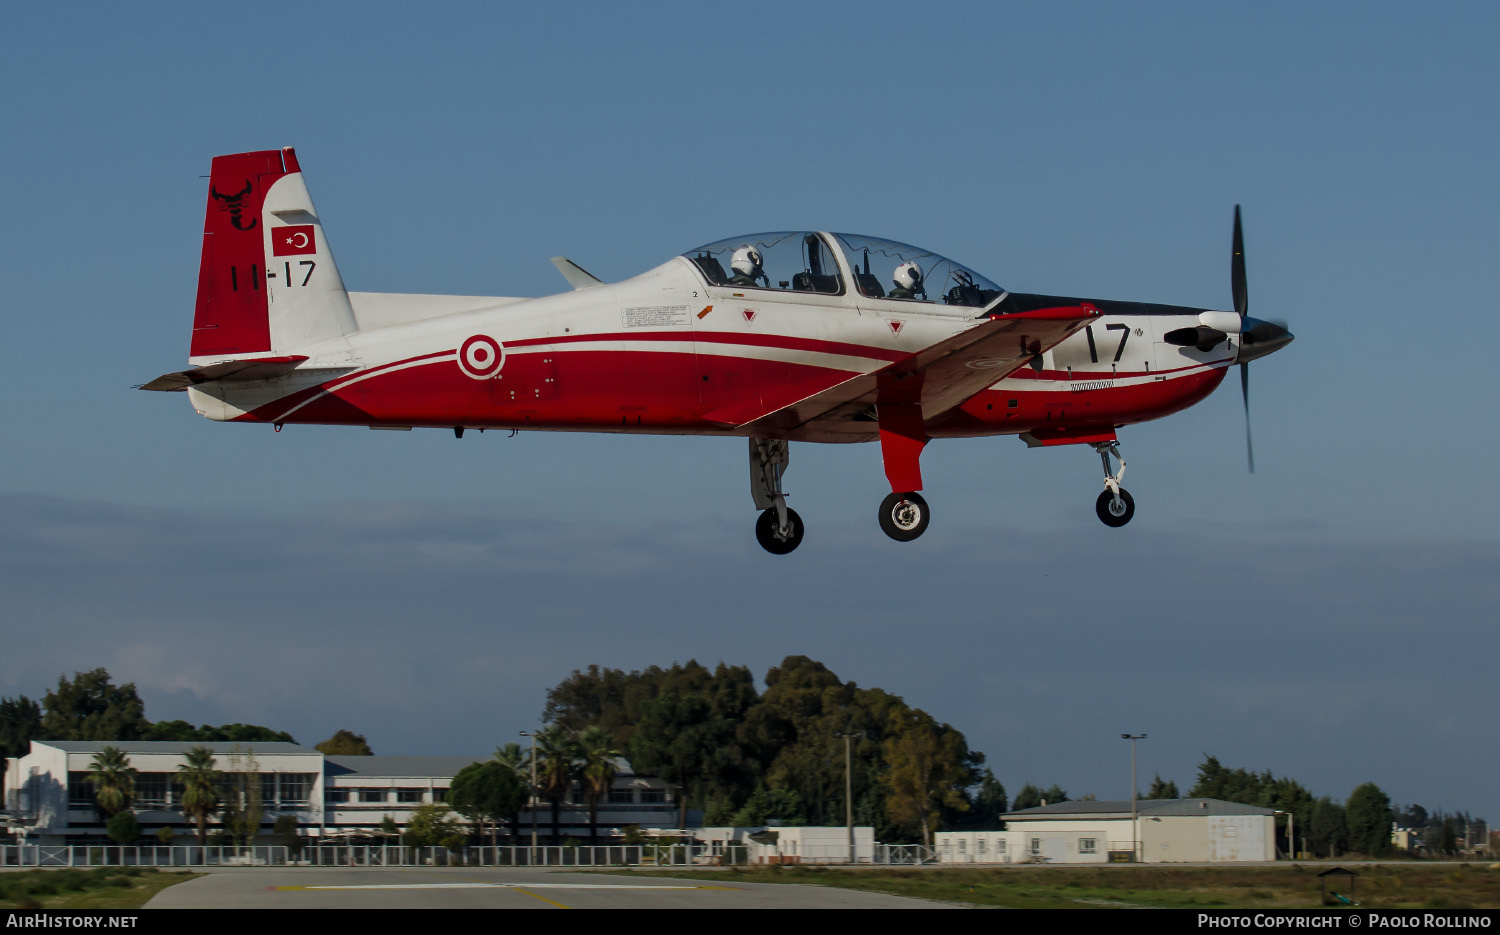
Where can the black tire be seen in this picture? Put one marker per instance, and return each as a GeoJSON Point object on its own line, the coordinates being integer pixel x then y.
{"type": "Point", "coordinates": [765, 532]}
{"type": "Point", "coordinates": [904, 516]}
{"type": "Point", "coordinates": [1103, 506]}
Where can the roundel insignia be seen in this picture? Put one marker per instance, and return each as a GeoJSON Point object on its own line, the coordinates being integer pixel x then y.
{"type": "Point", "coordinates": [480, 357]}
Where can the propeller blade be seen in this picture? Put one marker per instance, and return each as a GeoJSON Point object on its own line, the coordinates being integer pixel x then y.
{"type": "Point", "coordinates": [1245, 391]}
{"type": "Point", "coordinates": [1237, 269]}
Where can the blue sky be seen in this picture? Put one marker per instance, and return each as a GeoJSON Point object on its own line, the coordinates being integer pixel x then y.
{"type": "Point", "coordinates": [1329, 618]}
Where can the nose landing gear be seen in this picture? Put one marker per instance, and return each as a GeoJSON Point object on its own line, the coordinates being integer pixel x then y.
{"type": "Point", "coordinates": [1115, 506]}
{"type": "Point", "coordinates": [779, 529]}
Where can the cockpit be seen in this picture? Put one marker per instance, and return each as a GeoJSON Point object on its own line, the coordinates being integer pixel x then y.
{"type": "Point", "coordinates": [807, 261]}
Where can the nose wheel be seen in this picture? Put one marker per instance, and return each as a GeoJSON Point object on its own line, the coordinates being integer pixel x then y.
{"type": "Point", "coordinates": [776, 538]}
{"type": "Point", "coordinates": [1112, 511]}
{"type": "Point", "coordinates": [904, 516]}
{"type": "Point", "coordinates": [1115, 506]}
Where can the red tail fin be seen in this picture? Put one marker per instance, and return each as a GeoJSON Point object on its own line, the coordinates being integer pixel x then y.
{"type": "Point", "coordinates": [232, 314]}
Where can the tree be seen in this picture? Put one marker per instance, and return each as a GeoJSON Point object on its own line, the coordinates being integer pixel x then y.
{"type": "Point", "coordinates": [989, 804]}
{"type": "Point", "coordinates": [489, 792]}
{"type": "Point", "coordinates": [123, 829]}
{"type": "Point", "coordinates": [1368, 817]}
{"type": "Point", "coordinates": [1327, 832]}
{"type": "Point", "coordinates": [556, 752]}
{"type": "Point", "coordinates": [287, 832]}
{"type": "Point", "coordinates": [1029, 797]}
{"type": "Point", "coordinates": [20, 723]}
{"type": "Point", "coordinates": [431, 825]}
{"type": "Point", "coordinates": [928, 770]}
{"type": "Point", "coordinates": [90, 707]}
{"type": "Point", "coordinates": [114, 781]}
{"type": "Point", "coordinates": [345, 743]}
{"type": "Point", "coordinates": [597, 752]}
{"type": "Point", "coordinates": [243, 806]}
{"type": "Point", "coordinates": [182, 731]}
{"type": "Point", "coordinates": [200, 788]}
{"type": "Point", "coordinates": [1162, 790]}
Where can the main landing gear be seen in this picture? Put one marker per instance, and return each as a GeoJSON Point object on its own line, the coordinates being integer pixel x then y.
{"type": "Point", "coordinates": [1115, 505]}
{"type": "Point", "coordinates": [779, 529]}
{"type": "Point", "coordinates": [904, 516]}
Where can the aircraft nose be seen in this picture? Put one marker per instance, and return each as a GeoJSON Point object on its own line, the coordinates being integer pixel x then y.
{"type": "Point", "coordinates": [1259, 338]}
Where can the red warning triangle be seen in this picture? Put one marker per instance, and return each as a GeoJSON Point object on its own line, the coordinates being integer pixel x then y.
{"type": "Point", "coordinates": [895, 326]}
{"type": "Point", "coordinates": [749, 313]}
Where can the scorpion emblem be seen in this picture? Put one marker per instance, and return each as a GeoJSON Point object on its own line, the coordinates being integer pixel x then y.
{"type": "Point", "coordinates": [231, 203]}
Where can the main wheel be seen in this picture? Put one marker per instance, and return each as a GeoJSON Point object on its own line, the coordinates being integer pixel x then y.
{"type": "Point", "coordinates": [1111, 513]}
{"type": "Point", "coordinates": [765, 532]}
{"type": "Point", "coordinates": [904, 516]}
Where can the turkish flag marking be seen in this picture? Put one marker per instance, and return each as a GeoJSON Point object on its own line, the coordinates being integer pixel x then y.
{"type": "Point", "coordinates": [293, 241]}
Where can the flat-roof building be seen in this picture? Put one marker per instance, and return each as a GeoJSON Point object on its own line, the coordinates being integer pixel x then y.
{"type": "Point", "coordinates": [48, 798]}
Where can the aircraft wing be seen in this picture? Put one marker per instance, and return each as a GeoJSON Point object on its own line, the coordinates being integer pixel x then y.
{"type": "Point", "coordinates": [939, 377]}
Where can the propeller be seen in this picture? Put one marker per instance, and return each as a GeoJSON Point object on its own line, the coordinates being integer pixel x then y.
{"type": "Point", "coordinates": [1257, 338]}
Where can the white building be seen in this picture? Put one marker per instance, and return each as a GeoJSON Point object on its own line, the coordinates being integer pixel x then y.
{"type": "Point", "coordinates": [790, 845]}
{"type": "Point", "coordinates": [48, 799]}
{"type": "Point", "coordinates": [1166, 831]}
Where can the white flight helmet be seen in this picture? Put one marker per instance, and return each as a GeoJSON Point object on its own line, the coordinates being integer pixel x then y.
{"type": "Point", "coordinates": [909, 276]}
{"type": "Point", "coordinates": [746, 261]}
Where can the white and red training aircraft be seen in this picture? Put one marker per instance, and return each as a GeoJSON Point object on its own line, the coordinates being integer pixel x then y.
{"type": "Point", "coordinates": [780, 337]}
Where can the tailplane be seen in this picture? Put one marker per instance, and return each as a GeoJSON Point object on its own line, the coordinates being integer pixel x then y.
{"type": "Point", "coordinates": [267, 285]}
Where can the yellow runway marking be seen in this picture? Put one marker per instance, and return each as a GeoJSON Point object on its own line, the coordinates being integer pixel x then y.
{"type": "Point", "coordinates": [542, 898]}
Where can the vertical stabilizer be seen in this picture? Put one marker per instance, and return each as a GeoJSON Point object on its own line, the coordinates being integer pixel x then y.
{"type": "Point", "coordinates": [267, 283]}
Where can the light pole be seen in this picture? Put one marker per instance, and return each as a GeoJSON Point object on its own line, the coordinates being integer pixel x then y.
{"type": "Point", "coordinates": [526, 733]}
{"type": "Point", "coordinates": [849, 791]}
{"type": "Point", "coordinates": [1135, 835]}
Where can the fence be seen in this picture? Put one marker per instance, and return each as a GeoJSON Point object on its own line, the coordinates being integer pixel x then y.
{"type": "Point", "coordinates": [395, 855]}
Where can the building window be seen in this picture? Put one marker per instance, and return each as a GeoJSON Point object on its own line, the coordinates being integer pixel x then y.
{"type": "Point", "coordinates": [1036, 847]}
{"type": "Point", "coordinates": [268, 787]}
{"type": "Point", "coordinates": [1000, 846]}
{"type": "Point", "coordinates": [372, 795]}
{"type": "Point", "coordinates": [151, 790]}
{"type": "Point", "coordinates": [979, 847]}
{"type": "Point", "coordinates": [621, 797]}
{"type": "Point", "coordinates": [1088, 845]}
{"type": "Point", "coordinates": [962, 845]}
{"type": "Point", "coordinates": [653, 796]}
{"type": "Point", "coordinates": [80, 790]}
{"type": "Point", "coordinates": [440, 795]}
{"type": "Point", "coordinates": [409, 795]}
{"type": "Point", "coordinates": [338, 795]}
{"type": "Point", "coordinates": [296, 788]}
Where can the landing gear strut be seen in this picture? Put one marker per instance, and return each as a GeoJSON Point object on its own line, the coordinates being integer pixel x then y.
{"type": "Point", "coordinates": [779, 529]}
{"type": "Point", "coordinates": [1115, 505]}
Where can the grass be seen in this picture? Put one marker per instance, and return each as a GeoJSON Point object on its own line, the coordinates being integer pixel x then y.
{"type": "Point", "coordinates": [1380, 886]}
{"type": "Point", "coordinates": [103, 888]}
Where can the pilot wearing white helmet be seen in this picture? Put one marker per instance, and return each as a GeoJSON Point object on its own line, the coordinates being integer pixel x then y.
{"type": "Point", "coordinates": [746, 265]}
{"type": "Point", "coordinates": [908, 279]}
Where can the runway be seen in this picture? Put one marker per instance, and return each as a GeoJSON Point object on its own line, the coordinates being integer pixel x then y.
{"type": "Point", "coordinates": [497, 888]}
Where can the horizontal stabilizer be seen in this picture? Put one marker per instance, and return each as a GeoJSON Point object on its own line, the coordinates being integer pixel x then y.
{"type": "Point", "coordinates": [577, 276]}
{"type": "Point", "coordinates": [255, 368]}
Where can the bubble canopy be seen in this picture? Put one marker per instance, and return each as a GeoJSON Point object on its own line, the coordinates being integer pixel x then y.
{"type": "Point", "coordinates": [803, 261]}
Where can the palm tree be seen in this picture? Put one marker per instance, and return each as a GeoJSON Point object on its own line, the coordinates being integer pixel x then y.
{"type": "Point", "coordinates": [114, 781]}
{"type": "Point", "coordinates": [596, 748]}
{"type": "Point", "coordinates": [517, 759]}
{"type": "Point", "coordinates": [200, 788]}
{"type": "Point", "coordinates": [556, 754]}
